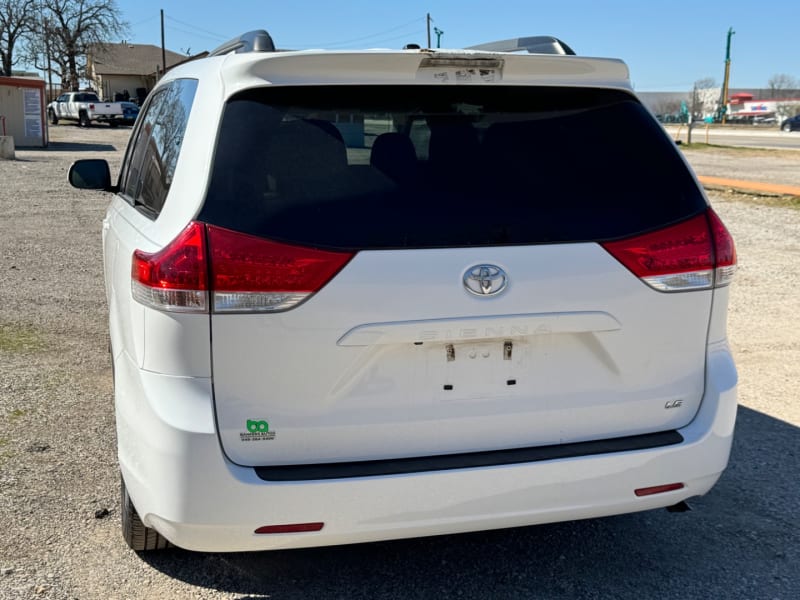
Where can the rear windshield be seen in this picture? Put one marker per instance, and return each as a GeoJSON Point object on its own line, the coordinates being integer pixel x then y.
{"type": "Point", "coordinates": [370, 167]}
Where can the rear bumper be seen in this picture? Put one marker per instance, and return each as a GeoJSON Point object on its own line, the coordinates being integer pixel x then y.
{"type": "Point", "coordinates": [183, 486]}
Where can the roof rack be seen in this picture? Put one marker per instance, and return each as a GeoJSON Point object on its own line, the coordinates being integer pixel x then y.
{"type": "Point", "coordinates": [252, 41]}
{"type": "Point", "coordinates": [539, 44]}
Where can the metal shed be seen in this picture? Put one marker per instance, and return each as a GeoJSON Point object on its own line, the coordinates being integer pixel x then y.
{"type": "Point", "coordinates": [22, 111]}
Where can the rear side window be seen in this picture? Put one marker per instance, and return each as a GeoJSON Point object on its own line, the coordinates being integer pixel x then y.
{"type": "Point", "coordinates": [150, 162]}
{"type": "Point", "coordinates": [373, 167]}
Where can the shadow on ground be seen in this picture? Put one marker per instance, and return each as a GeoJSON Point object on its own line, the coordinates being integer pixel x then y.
{"type": "Point", "coordinates": [80, 147]}
{"type": "Point", "coordinates": [739, 541]}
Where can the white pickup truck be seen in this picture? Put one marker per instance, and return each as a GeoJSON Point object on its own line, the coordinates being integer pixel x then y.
{"type": "Point", "coordinates": [84, 107]}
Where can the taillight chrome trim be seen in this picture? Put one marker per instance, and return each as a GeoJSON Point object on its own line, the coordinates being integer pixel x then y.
{"type": "Point", "coordinates": [681, 282]}
{"type": "Point", "coordinates": [183, 301]}
{"type": "Point", "coordinates": [257, 302]}
{"type": "Point", "coordinates": [724, 275]}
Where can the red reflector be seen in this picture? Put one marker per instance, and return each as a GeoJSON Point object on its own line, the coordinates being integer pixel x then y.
{"type": "Point", "coordinates": [658, 489]}
{"type": "Point", "coordinates": [294, 528]}
{"type": "Point", "coordinates": [680, 248]}
{"type": "Point", "coordinates": [246, 263]}
{"type": "Point", "coordinates": [180, 265]}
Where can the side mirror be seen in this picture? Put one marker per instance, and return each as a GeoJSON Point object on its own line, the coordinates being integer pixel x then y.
{"type": "Point", "coordinates": [91, 174]}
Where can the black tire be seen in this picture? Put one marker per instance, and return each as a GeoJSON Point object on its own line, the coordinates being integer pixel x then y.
{"type": "Point", "coordinates": [787, 127]}
{"type": "Point", "coordinates": [139, 537]}
{"type": "Point", "coordinates": [83, 119]}
{"type": "Point", "coordinates": [113, 123]}
{"type": "Point", "coordinates": [53, 118]}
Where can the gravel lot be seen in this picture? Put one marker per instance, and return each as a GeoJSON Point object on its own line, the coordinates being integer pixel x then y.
{"type": "Point", "coordinates": [769, 166]}
{"type": "Point", "coordinates": [58, 473]}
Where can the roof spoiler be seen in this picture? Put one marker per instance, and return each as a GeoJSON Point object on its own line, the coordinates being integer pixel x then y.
{"type": "Point", "coordinates": [539, 44]}
{"type": "Point", "coordinates": [252, 41]}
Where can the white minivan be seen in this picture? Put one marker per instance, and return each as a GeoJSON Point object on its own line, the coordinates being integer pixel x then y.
{"type": "Point", "coordinates": [369, 295]}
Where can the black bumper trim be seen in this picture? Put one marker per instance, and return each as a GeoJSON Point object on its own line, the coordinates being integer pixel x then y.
{"type": "Point", "coordinates": [470, 460]}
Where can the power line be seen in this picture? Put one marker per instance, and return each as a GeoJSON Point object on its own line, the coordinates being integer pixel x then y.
{"type": "Point", "coordinates": [190, 26]}
{"type": "Point", "coordinates": [406, 36]}
{"type": "Point", "coordinates": [359, 39]}
{"type": "Point", "coordinates": [147, 20]}
{"type": "Point", "coordinates": [195, 34]}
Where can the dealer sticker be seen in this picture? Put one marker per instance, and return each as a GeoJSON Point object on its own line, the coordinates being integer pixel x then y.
{"type": "Point", "coordinates": [257, 431]}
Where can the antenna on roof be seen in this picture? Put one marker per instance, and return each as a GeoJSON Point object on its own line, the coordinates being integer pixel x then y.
{"type": "Point", "coordinates": [252, 41]}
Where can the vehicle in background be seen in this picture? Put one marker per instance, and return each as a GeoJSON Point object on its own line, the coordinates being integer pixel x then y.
{"type": "Point", "coordinates": [85, 108]}
{"type": "Point", "coordinates": [130, 111]}
{"type": "Point", "coordinates": [791, 124]}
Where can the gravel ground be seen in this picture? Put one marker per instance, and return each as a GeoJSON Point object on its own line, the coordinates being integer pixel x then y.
{"type": "Point", "coordinates": [59, 523]}
{"type": "Point", "coordinates": [769, 166]}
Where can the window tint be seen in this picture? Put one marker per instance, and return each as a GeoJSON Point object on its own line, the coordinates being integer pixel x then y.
{"type": "Point", "coordinates": [433, 166]}
{"type": "Point", "coordinates": [151, 158]}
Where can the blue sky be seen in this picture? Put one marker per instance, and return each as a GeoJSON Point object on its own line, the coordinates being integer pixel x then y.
{"type": "Point", "coordinates": [667, 45]}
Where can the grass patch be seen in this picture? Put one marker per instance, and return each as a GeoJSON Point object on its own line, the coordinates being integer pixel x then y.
{"type": "Point", "coordinates": [16, 414]}
{"type": "Point", "coordinates": [20, 338]}
{"type": "Point", "coordinates": [741, 151]}
{"type": "Point", "coordinates": [792, 202]}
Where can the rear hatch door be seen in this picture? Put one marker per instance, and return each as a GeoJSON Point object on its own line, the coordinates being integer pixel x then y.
{"type": "Point", "coordinates": [472, 305]}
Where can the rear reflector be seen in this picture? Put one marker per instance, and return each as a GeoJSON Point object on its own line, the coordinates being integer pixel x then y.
{"type": "Point", "coordinates": [658, 489]}
{"type": "Point", "coordinates": [238, 272]}
{"type": "Point", "coordinates": [294, 528]}
{"type": "Point", "coordinates": [697, 254]}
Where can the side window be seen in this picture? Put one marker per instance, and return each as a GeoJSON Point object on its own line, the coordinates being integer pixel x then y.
{"type": "Point", "coordinates": [150, 164]}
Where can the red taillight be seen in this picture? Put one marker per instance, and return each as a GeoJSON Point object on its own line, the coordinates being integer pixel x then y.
{"type": "Point", "coordinates": [658, 489]}
{"type": "Point", "coordinates": [292, 528]}
{"type": "Point", "coordinates": [242, 273]}
{"type": "Point", "coordinates": [724, 250]}
{"type": "Point", "coordinates": [680, 257]}
{"type": "Point", "coordinates": [176, 277]}
{"type": "Point", "coordinates": [91, 107]}
{"type": "Point", "coordinates": [249, 273]}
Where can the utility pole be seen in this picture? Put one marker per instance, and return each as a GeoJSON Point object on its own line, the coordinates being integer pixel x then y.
{"type": "Point", "coordinates": [723, 101]}
{"type": "Point", "coordinates": [428, 20]}
{"type": "Point", "coordinates": [439, 34]}
{"type": "Point", "coordinates": [163, 51]}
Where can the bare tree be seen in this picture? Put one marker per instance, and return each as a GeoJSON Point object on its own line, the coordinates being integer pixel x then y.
{"type": "Point", "coordinates": [71, 26]}
{"type": "Point", "coordinates": [779, 82]}
{"type": "Point", "coordinates": [17, 20]}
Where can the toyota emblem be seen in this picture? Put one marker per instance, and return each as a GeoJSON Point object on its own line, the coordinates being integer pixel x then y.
{"type": "Point", "coordinates": [485, 280]}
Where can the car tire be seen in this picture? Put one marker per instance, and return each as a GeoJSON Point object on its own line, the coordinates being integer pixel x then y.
{"type": "Point", "coordinates": [787, 127]}
{"type": "Point", "coordinates": [83, 119]}
{"type": "Point", "coordinates": [53, 118]}
{"type": "Point", "coordinates": [138, 536]}
{"type": "Point", "coordinates": [113, 123]}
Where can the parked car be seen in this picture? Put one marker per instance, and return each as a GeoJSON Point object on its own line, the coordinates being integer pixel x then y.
{"type": "Point", "coordinates": [768, 120]}
{"type": "Point", "coordinates": [130, 111]}
{"type": "Point", "coordinates": [378, 295]}
{"type": "Point", "coordinates": [84, 107]}
{"type": "Point", "coordinates": [791, 124]}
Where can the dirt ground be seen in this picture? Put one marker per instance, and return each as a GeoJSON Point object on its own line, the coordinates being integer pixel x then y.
{"type": "Point", "coordinates": [59, 521]}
